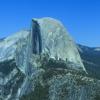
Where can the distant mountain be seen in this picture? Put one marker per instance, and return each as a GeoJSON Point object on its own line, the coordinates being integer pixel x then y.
{"type": "Point", "coordinates": [91, 59]}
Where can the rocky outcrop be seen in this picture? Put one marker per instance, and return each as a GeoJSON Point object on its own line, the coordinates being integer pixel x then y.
{"type": "Point", "coordinates": [64, 84]}
{"type": "Point", "coordinates": [26, 56]}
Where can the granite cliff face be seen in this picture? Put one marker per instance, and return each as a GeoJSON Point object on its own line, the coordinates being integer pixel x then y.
{"type": "Point", "coordinates": [57, 42]}
{"type": "Point", "coordinates": [37, 64]}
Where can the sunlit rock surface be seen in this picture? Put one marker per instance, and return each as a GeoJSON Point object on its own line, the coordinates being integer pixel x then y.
{"type": "Point", "coordinates": [57, 42]}
{"type": "Point", "coordinates": [31, 60]}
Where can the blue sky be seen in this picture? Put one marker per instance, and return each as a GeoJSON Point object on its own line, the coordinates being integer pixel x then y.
{"type": "Point", "coordinates": [80, 17]}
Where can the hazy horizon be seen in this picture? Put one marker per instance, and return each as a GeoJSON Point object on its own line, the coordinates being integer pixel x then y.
{"type": "Point", "coordinates": [81, 18]}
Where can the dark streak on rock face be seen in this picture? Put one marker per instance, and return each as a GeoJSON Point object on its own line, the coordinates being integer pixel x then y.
{"type": "Point", "coordinates": [36, 38]}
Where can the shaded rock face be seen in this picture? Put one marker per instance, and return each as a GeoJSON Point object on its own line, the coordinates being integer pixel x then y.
{"type": "Point", "coordinates": [49, 46]}
{"type": "Point", "coordinates": [36, 38]}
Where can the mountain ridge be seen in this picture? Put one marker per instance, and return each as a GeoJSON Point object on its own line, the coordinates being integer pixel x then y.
{"type": "Point", "coordinates": [45, 59]}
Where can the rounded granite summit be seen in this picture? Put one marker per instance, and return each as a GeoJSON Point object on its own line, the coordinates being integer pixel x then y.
{"type": "Point", "coordinates": [57, 42]}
